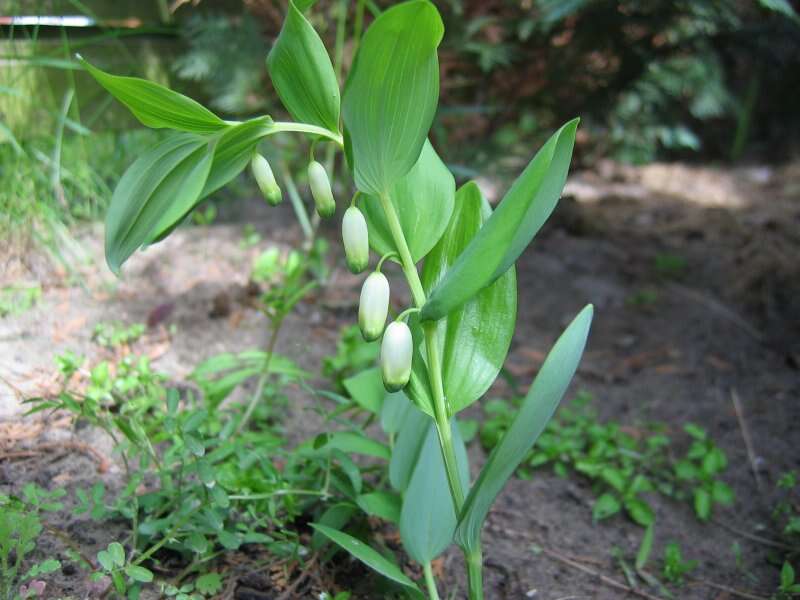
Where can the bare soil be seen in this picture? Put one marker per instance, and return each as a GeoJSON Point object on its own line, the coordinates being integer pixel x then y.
{"type": "Point", "coordinates": [726, 322]}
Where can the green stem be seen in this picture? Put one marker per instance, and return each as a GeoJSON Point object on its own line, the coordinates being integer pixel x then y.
{"type": "Point", "coordinates": [297, 204]}
{"type": "Point", "coordinates": [441, 419]}
{"type": "Point", "coordinates": [284, 492]}
{"type": "Point", "coordinates": [430, 582]}
{"type": "Point", "coordinates": [475, 574]}
{"type": "Point", "coordinates": [288, 126]}
{"type": "Point", "coordinates": [262, 381]}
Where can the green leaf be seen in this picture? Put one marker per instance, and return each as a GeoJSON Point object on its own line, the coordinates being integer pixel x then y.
{"type": "Point", "coordinates": [156, 106]}
{"type": "Point", "coordinates": [418, 389]}
{"type": "Point", "coordinates": [369, 557]}
{"type": "Point", "coordinates": [380, 504]}
{"type": "Point", "coordinates": [406, 450]}
{"type": "Point", "coordinates": [356, 443]}
{"type": "Point", "coordinates": [156, 190]}
{"type": "Point", "coordinates": [428, 519]}
{"type": "Point", "coordinates": [702, 504]}
{"type": "Point", "coordinates": [233, 152]}
{"type": "Point", "coordinates": [423, 201]}
{"type": "Point", "coordinates": [396, 407]}
{"type": "Point", "coordinates": [302, 73]}
{"type": "Point", "coordinates": [722, 493]}
{"type": "Point", "coordinates": [787, 575]}
{"type": "Point", "coordinates": [645, 547]}
{"type": "Point", "coordinates": [512, 226]}
{"type": "Point", "coordinates": [138, 573]}
{"type": "Point", "coordinates": [605, 506]}
{"type": "Point", "coordinates": [366, 388]}
{"type": "Point", "coordinates": [208, 583]}
{"type": "Point", "coordinates": [335, 517]}
{"type": "Point", "coordinates": [476, 336]}
{"type": "Point", "coordinates": [535, 411]}
{"type": "Point", "coordinates": [105, 560]}
{"type": "Point", "coordinates": [639, 511]}
{"type": "Point", "coordinates": [391, 94]}
{"type": "Point", "coordinates": [117, 553]}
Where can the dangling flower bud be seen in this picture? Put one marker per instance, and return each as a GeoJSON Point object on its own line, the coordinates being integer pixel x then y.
{"type": "Point", "coordinates": [265, 179]}
{"type": "Point", "coordinates": [373, 306]}
{"type": "Point", "coordinates": [321, 189]}
{"type": "Point", "coordinates": [396, 356]}
{"type": "Point", "coordinates": [356, 239]}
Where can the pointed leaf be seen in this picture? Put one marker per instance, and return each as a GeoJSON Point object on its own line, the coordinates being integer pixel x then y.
{"type": "Point", "coordinates": [512, 226]}
{"type": "Point", "coordinates": [538, 406]}
{"type": "Point", "coordinates": [380, 504]}
{"type": "Point", "coordinates": [396, 408]}
{"type": "Point", "coordinates": [366, 388]}
{"type": "Point", "coordinates": [428, 519]}
{"type": "Point", "coordinates": [405, 453]}
{"type": "Point", "coordinates": [423, 201]}
{"type": "Point", "coordinates": [302, 73]}
{"type": "Point", "coordinates": [370, 557]}
{"type": "Point", "coordinates": [418, 389]}
{"type": "Point", "coordinates": [155, 105]}
{"type": "Point", "coordinates": [155, 190]}
{"type": "Point", "coordinates": [475, 336]}
{"type": "Point", "coordinates": [391, 94]}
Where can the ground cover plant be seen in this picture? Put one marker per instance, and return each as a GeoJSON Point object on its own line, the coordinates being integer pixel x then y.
{"type": "Point", "coordinates": [443, 352]}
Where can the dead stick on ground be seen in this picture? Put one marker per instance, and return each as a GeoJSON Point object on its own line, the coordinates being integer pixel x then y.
{"type": "Point", "coordinates": [748, 441]}
{"type": "Point", "coordinates": [607, 580]}
{"type": "Point", "coordinates": [729, 590]}
{"type": "Point", "coordinates": [753, 537]}
{"type": "Point", "coordinates": [298, 580]}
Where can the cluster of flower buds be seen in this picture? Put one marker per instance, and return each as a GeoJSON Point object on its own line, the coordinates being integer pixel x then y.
{"type": "Point", "coordinates": [265, 179]}
{"type": "Point", "coordinates": [396, 346]}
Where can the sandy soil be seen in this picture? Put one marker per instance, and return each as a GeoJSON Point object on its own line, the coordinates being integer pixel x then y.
{"type": "Point", "coordinates": [728, 322]}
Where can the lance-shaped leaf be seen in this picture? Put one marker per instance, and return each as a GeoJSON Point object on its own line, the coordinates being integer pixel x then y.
{"type": "Point", "coordinates": [302, 74]}
{"type": "Point", "coordinates": [155, 105]}
{"type": "Point", "coordinates": [538, 406]}
{"type": "Point", "coordinates": [475, 337]}
{"type": "Point", "coordinates": [370, 557]}
{"type": "Point", "coordinates": [520, 215]}
{"type": "Point", "coordinates": [423, 201]}
{"type": "Point", "coordinates": [234, 147]}
{"type": "Point", "coordinates": [427, 517]}
{"type": "Point", "coordinates": [366, 389]}
{"type": "Point", "coordinates": [162, 184]}
{"type": "Point", "coordinates": [405, 453]}
{"type": "Point", "coordinates": [391, 94]}
{"type": "Point", "coordinates": [418, 389]}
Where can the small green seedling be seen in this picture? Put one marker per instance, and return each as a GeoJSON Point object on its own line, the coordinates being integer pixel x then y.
{"type": "Point", "coordinates": [675, 567]}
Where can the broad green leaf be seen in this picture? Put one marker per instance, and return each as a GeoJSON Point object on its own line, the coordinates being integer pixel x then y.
{"type": "Point", "coordinates": [407, 449]}
{"type": "Point", "coordinates": [138, 573]}
{"type": "Point", "coordinates": [155, 189]}
{"type": "Point", "coordinates": [233, 153]}
{"type": "Point", "coordinates": [335, 517]}
{"type": "Point", "coordinates": [512, 226]}
{"type": "Point", "coordinates": [155, 105]}
{"type": "Point", "coordinates": [355, 443]}
{"type": "Point", "coordinates": [381, 504]}
{"type": "Point", "coordinates": [370, 557]}
{"type": "Point", "coordinates": [366, 388]}
{"type": "Point", "coordinates": [418, 389]}
{"type": "Point", "coordinates": [234, 149]}
{"type": "Point", "coordinates": [117, 553]}
{"type": "Point", "coordinates": [537, 407]}
{"type": "Point", "coordinates": [428, 519]}
{"type": "Point", "coordinates": [474, 337]}
{"type": "Point", "coordinates": [423, 201]}
{"type": "Point", "coordinates": [302, 74]}
{"type": "Point", "coordinates": [396, 408]}
{"type": "Point", "coordinates": [391, 94]}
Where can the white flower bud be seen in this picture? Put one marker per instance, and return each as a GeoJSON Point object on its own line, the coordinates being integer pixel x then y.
{"type": "Point", "coordinates": [396, 356]}
{"type": "Point", "coordinates": [356, 239]}
{"type": "Point", "coordinates": [373, 306]}
{"type": "Point", "coordinates": [265, 179]}
{"type": "Point", "coordinates": [321, 189]}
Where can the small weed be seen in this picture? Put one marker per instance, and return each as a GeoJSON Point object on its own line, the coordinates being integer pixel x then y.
{"type": "Point", "coordinates": [675, 567]}
{"type": "Point", "coordinates": [112, 335]}
{"type": "Point", "coordinates": [670, 266]}
{"type": "Point", "coordinates": [250, 237]}
{"type": "Point", "coordinates": [621, 466]}
{"type": "Point", "coordinates": [17, 299]}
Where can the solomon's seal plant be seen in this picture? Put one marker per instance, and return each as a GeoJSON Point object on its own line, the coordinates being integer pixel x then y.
{"type": "Point", "coordinates": [456, 254]}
